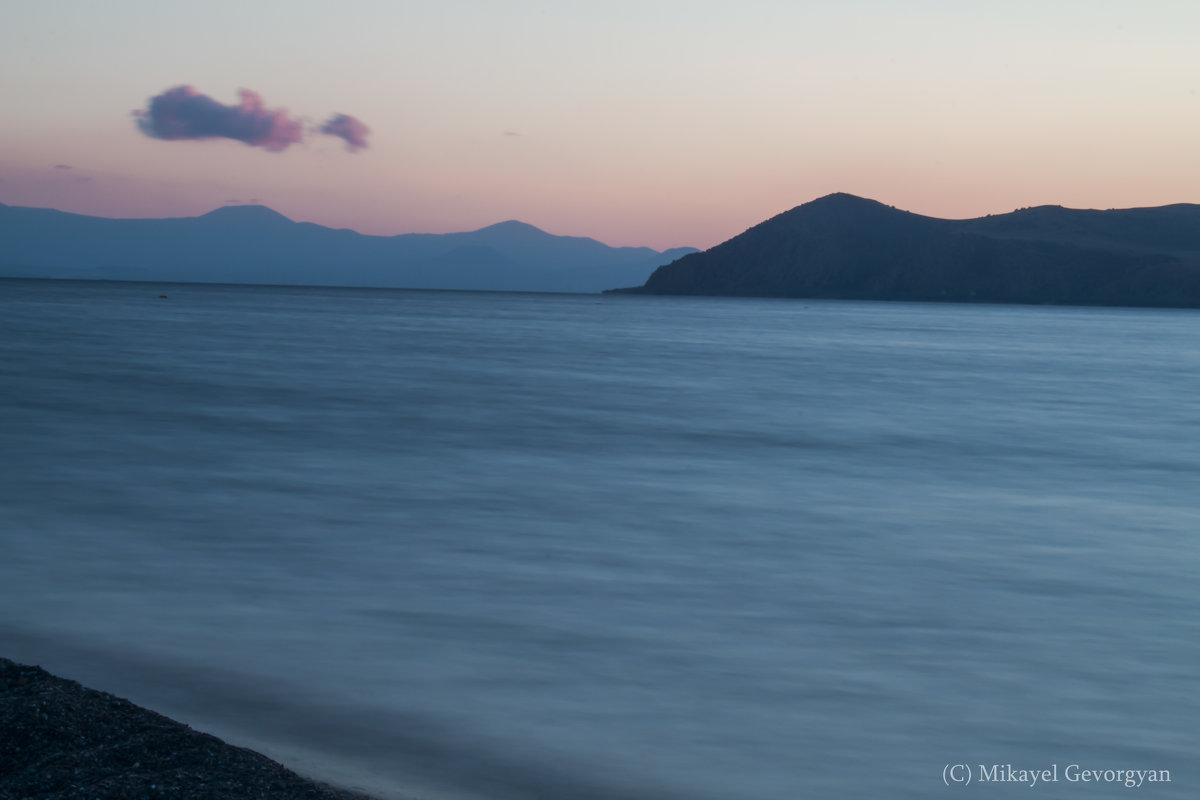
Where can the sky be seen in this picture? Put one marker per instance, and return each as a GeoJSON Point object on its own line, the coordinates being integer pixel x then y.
{"type": "Point", "coordinates": [636, 122]}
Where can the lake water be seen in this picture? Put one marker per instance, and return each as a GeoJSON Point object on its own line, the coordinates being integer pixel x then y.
{"type": "Point", "coordinates": [456, 545]}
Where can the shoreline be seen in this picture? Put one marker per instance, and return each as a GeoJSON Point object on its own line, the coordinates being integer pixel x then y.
{"type": "Point", "coordinates": [60, 739]}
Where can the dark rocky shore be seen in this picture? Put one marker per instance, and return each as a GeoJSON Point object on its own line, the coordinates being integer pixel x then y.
{"type": "Point", "coordinates": [59, 740]}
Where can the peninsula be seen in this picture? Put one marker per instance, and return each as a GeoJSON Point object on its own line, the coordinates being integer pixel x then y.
{"type": "Point", "coordinates": [846, 247]}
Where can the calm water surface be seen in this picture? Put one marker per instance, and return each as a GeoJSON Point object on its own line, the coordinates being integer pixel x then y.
{"type": "Point", "coordinates": [454, 545]}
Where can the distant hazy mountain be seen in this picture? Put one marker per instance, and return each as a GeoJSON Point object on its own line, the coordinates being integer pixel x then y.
{"type": "Point", "coordinates": [842, 246]}
{"type": "Point", "coordinates": [253, 244]}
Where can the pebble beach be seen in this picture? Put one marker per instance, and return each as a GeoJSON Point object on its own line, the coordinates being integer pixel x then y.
{"type": "Point", "coordinates": [60, 740]}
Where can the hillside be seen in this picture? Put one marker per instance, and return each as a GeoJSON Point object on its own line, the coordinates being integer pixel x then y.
{"type": "Point", "coordinates": [846, 247]}
{"type": "Point", "coordinates": [254, 244]}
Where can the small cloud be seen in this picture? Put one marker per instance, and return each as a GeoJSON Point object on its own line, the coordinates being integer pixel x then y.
{"type": "Point", "coordinates": [511, 133]}
{"type": "Point", "coordinates": [62, 166]}
{"type": "Point", "coordinates": [352, 130]}
{"type": "Point", "coordinates": [182, 113]}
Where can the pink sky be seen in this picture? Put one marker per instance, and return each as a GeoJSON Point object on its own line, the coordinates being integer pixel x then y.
{"type": "Point", "coordinates": [653, 123]}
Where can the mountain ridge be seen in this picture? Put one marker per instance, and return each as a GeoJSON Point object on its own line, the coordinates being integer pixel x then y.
{"type": "Point", "coordinates": [845, 247]}
{"type": "Point", "coordinates": [256, 244]}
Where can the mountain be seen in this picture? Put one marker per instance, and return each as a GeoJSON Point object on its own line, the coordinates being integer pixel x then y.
{"type": "Point", "coordinates": [847, 247]}
{"type": "Point", "coordinates": [254, 244]}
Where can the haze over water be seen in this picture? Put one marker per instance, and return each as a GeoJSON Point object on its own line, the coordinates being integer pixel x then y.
{"type": "Point", "coordinates": [460, 545]}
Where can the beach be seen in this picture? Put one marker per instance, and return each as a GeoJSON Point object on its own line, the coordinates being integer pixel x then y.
{"type": "Point", "coordinates": [59, 739]}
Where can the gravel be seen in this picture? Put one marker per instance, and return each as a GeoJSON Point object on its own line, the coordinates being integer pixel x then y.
{"type": "Point", "coordinates": [61, 741]}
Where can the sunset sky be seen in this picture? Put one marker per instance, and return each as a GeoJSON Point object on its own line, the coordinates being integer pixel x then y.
{"type": "Point", "coordinates": [636, 122]}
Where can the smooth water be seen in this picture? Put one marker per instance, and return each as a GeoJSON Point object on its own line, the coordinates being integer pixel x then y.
{"type": "Point", "coordinates": [514, 546]}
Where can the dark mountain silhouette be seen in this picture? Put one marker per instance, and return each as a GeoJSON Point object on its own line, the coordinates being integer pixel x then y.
{"type": "Point", "coordinates": [254, 244]}
{"type": "Point", "coordinates": [846, 247]}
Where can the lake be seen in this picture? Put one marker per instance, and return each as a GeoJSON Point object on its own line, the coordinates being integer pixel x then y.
{"type": "Point", "coordinates": [472, 545]}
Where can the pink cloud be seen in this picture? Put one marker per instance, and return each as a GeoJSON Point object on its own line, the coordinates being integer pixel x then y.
{"type": "Point", "coordinates": [348, 128]}
{"type": "Point", "coordinates": [184, 113]}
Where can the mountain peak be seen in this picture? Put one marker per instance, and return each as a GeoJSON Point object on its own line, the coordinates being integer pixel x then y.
{"type": "Point", "coordinates": [843, 202]}
{"type": "Point", "coordinates": [512, 226]}
{"type": "Point", "coordinates": [840, 211]}
{"type": "Point", "coordinates": [841, 197]}
{"type": "Point", "coordinates": [246, 214]}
